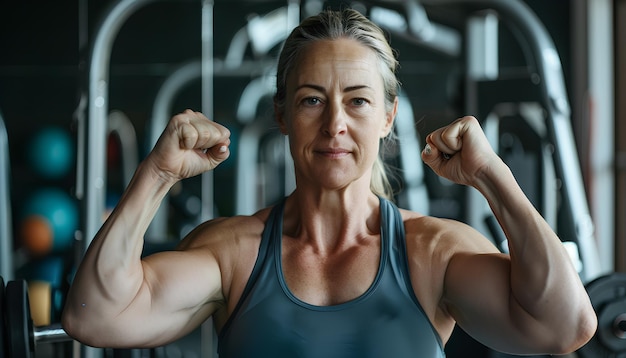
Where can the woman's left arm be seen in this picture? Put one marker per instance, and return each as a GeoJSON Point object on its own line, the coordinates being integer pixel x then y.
{"type": "Point", "coordinates": [531, 301]}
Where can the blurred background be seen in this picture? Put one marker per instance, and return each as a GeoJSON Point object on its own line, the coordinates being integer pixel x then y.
{"type": "Point", "coordinates": [87, 86]}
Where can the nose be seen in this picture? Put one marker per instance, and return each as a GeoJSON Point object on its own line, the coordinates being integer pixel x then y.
{"type": "Point", "coordinates": [335, 121]}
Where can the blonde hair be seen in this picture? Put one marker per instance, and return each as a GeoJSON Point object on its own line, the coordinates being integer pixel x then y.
{"type": "Point", "coordinates": [332, 25]}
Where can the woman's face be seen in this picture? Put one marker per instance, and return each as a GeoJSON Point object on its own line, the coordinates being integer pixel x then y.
{"type": "Point", "coordinates": [335, 113]}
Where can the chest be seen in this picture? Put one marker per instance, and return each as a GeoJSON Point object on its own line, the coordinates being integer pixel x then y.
{"type": "Point", "coordinates": [358, 307]}
{"type": "Point", "coordinates": [324, 280]}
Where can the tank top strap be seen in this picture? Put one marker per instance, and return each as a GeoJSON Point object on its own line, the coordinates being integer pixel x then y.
{"type": "Point", "coordinates": [269, 239]}
{"type": "Point", "coordinates": [393, 227]}
{"type": "Point", "coordinates": [266, 249]}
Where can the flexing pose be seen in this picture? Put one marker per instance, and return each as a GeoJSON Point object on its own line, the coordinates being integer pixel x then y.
{"type": "Point", "coordinates": [335, 269]}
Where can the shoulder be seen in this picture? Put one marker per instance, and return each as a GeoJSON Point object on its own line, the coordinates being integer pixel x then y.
{"type": "Point", "coordinates": [228, 241]}
{"type": "Point", "coordinates": [442, 233]}
{"type": "Point", "coordinates": [232, 243]}
{"type": "Point", "coordinates": [224, 231]}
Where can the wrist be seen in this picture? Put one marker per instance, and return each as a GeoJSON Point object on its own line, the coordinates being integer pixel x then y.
{"type": "Point", "coordinates": [495, 181]}
{"type": "Point", "coordinates": [150, 180]}
{"type": "Point", "coordinates": [152, 172]}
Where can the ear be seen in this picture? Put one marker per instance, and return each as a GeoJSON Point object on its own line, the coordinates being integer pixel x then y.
{"type": "Point", "coordinates": [389, 118]}
{"type": "Point", "coordinates": [280, 119]}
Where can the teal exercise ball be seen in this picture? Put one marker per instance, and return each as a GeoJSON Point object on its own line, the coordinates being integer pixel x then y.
{"type": "Point", "coordinates": [51, 152]}
{"type": "Point", "coordinates": [61, 212]}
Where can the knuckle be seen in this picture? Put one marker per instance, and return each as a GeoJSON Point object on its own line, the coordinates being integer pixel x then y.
{"type": "Point", "coordinates": [179, 119]}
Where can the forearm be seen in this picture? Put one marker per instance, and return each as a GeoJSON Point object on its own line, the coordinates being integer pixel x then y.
{"type": "Point", "coordinates": [111, 271]}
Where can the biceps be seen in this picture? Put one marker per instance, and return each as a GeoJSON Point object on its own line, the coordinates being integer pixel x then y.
{"type": "Point", "coordinates": [180, 280]}
{"type": "Point", "coordinates": [179, 292]}
{"type": "Point", "coordinates": [478, 296]}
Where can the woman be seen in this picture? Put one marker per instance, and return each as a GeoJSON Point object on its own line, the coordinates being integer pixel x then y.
{"type": "Point", "coordinates": [334, 270]}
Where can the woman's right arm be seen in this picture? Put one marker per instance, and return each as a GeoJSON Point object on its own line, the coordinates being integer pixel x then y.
{"type": "Point", "coordinates": [119, 300]}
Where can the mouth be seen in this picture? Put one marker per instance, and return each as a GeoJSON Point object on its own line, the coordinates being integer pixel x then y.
{"type": "Point", "coordinates": [333, 152]}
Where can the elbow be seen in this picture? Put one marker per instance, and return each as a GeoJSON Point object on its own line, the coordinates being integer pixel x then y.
{"type": "Point", "coordinates": [78, 329]}
{"type": "Point", "coordinates": [580, 335]}
{"type": "Point", "coordinates": [71, 325]}
{"type": "Point", "coordinates": [587, 328]}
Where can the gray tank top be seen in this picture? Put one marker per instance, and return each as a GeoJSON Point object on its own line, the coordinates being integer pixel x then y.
{"type": "Point", "coordinates": [385, 321]}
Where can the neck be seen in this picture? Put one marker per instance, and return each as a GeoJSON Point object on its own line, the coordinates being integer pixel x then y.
{"type": "Point", "coordinates": [329, 221]}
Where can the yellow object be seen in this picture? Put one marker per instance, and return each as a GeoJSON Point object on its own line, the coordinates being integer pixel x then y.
{"type": "Point", "coordinates": [40, 297]}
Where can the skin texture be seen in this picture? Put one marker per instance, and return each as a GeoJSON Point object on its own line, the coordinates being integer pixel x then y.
{"type": "Point", "coordinates": [334, 115]}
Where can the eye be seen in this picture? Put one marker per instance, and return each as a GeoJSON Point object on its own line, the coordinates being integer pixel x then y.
{"type": "Point", "coordinates": [311, 101]}
{"type": "Point", "coordinates": [359, 101]}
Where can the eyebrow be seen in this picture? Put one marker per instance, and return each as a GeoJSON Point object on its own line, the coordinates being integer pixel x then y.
{"type": "Point", "coordinates": [322, 89]}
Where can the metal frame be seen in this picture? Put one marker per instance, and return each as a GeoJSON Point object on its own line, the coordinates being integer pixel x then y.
{"type": "Point", "coordinates": [6, 230]}
{"type": "Point", "coordinates": [414, 194]}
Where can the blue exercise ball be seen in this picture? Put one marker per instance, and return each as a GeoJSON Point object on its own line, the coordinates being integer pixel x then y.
{"type": "Point", "coordinates": [51, 152]}
{"type": "Point", "coordinates": [61, 211]}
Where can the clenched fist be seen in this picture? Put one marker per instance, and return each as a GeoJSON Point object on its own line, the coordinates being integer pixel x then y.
{"type": "Point", "coordinates": [460, 152]}
{"type": "Point", "coordinates": [190, 145]}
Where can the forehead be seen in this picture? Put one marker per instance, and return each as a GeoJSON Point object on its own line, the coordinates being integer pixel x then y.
{"type": "Point", "coordinates": [341, 59]}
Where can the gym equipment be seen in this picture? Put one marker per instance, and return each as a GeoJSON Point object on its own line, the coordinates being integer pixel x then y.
{"type": "Point", "coordinates": [608, 297]}
{"type": "Point", "coordinates": [40, 302]}
{"type": "Point", "coordinates": [6, 230]}
{"type": "Point", "coordinates": [414, 194]}
{"type": "Point", "coordinates": [263, 153]}
{"type": "Point", "coordinates": [61, 212]}
{"type": "Point", "coordinates": [262, 33]}
{"type": "Point", "coordinates": [19, 337]}
{"type": "Point", "coordinates": [36, 234]}
{"type": "Point", "coordinates": [413, 24]}
{"type": "Point", "coordinates": [51, 152]}
{"type": "Point", "coordinates": [121, 128]}
{"type": "Point", "coordinates": [50, 269]}
{"type": "Point", "coordinates": [3, 341]}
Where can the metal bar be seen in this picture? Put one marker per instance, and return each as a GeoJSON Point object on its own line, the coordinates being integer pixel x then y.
{"type": "Point", "coordinates": [416, 27]}
{"type": "Point", "coordinates": [95, 146]}
{"type": "Point", "coordinates": [620, 132]}
{"type": "Point", "coordinates": [50, 334]}
{"type": "Point", "coordinates": [207, 100]}
{"type": "Point", "coordinates": [6, 230]}
{"type": "Point", "coordinates": [482, 46]}
{"type": "Point", "coordinates": [209, 340]}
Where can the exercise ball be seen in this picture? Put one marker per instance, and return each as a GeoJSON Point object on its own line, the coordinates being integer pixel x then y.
{"type": "Point", "coordinates": [61, 212]}
{"type": "Point", "coordinates": [36, 235]}
{"type": "Point", "coordinates": [51, 152]}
